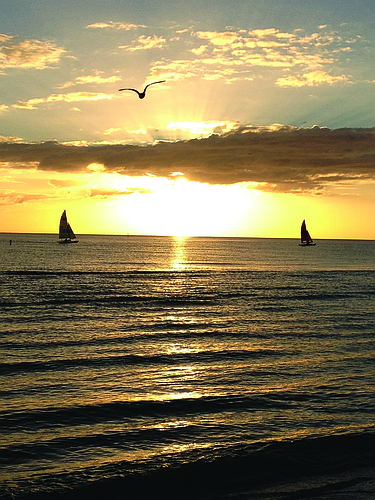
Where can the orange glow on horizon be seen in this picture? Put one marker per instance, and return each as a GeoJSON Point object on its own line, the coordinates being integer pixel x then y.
{"type": "Point", "coordinates": [105, 203]}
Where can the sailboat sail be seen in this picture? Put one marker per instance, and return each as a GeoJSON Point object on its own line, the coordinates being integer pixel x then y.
{"type": "Point", "coordinates": [305, 235]}
{"type": "Point", "coordinates": [65, 231]}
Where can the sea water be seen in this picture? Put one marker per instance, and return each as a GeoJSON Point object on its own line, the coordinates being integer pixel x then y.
{"type": "Point", "coordinates": [156, 367]}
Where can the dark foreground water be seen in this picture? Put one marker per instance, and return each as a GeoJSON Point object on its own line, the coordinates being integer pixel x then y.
{"type": "Point", "coordinates": [201, 368]}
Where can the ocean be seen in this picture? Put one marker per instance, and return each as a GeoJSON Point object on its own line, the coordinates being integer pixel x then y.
{"type": "Point", "coordinates": [137, 367]}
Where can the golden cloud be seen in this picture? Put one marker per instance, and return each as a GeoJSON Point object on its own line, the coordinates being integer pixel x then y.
{"type": "Point", "coordinates": [107, 193]}
{"type": "Point", "coordinates": [78, 97]}
{"type": "Point", "coordinates": [90, 79]}
{"type": "Point", "coordinates": [311, 79]}
{"type": "Point", "coordinates": [237, 54]}
{"type": "Point", "coordinates": [28, 54]}
{"type": "Point", "coordinates": [146, 43]}
{"type": "Point", "coordinates": [30, 104]}
{"type": "Point", "coordinates": [10, 138]}
{"type": "Point", "coordinates": [116, 25]}
{"type": "Point", "coordinates": [110, 131]}
{"type": "Point", "coordinates": [5, 38]}
{"type": "Point", "coordinates": [10, 197]}
{"type": "Point", "coordinates": [206, 68]}
{"type": "Point", "coordinates": [218, 38]}
{"type": "Point", "coordinates": [69, 97]}
{"type": "Point", "coordinates": [203, 129]}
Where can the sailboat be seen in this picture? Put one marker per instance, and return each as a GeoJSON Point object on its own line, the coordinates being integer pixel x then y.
{"type": "Point", "coordinates": [306, 240]}
{"type": "Point", "coordinates": [66, 234]}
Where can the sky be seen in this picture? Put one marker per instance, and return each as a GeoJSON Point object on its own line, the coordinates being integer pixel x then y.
{"type": "Point", "coordinates": [265, 117]}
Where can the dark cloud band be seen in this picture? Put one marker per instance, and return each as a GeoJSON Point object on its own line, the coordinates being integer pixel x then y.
{"type": "Point", "coordinates": [285, 160]}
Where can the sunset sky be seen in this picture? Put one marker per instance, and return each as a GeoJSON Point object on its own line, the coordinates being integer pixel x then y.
{"type": "Point", "coordinates": [266, 117]}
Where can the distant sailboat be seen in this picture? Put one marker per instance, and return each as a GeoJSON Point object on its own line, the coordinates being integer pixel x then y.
{"type": "Point", "coordinates": [305, 236]}
{"type": "Point", "coordinates": [66, 233]}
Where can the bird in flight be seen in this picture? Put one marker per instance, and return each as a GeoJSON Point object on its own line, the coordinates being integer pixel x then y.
{"type": "Point", "coordinates": [142, 95]}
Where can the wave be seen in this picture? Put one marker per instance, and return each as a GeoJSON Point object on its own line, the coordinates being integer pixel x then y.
{"type": "Point", "coordinates": [210, 298]}
{"type": "Point", "coordinates": [54, 365]}
{"type": "Point", "coordinates": [82, 298]}
{"type": "Point", "coordinates": [120, 410]}
{"type": "Point", "coordinates": [272, 402]}
{"type": "Point", "coordinates": [220, 472]}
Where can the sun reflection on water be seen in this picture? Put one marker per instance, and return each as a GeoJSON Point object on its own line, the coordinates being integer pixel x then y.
{"type": "Point", "coordinates": [178, 262]}
{"type": "Point", "coordinates": [181, 348]}
{"type": "Point", "coordinates": [179, 382]}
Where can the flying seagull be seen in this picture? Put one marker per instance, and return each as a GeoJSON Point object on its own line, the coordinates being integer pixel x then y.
{"type": "Point", "coordinates": [142, 95]}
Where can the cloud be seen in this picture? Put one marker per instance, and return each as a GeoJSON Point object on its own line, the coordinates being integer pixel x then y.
{"type": "Point", "coordinates": [240, 54]}
{"type": "Point", "coordinates": [203, 129]}
{"type": "Point", "coordinates": [281, 159]}
{"type": "Point", "coordinates": [32, 104]}
{"type": "Point", "coordinates": [311, 79]}
{"type": "Point", "coordinates": [27, 54]}
{"type": "Point", "coordinates": [205, 68]}
{"type": "Point", "coordinates": [3, 108]}
{"type": "Point", "coordinates": [112, 130]}
{"type": "Point", "coordinates": [199, 50]}
{"type": "Point", "coordinates": [90, 79]}
{"type": "Point", "coordinates": [108, 193]}
{"type": "Point", "coordinates": [219, 38]}
{"type": "Point", "coordinates": [5, 38]}
{"type": "Point", "coordinates": [60, 183]}
{"type": "Point", "coordinates": [116, 25]}
{"type": "Point", "coordinates": [10, 138]}
{"type": "Point", "coordinates": [146, 43]}
{"type": "Point", "coordinates": [10, 197]}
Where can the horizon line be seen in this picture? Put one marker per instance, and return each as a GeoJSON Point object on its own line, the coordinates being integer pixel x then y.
{"type": "Point", "coordinates": [126, 235]}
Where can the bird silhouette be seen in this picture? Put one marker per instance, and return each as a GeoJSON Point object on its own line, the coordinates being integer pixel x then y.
{"type": "Point", "coordinates": [142, 94]}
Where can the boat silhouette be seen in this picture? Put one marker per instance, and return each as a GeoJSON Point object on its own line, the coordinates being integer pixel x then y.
{"type": "Point", "coordinates": [306, 240]}
{"type": "Point", "coordinates": [66, 234]}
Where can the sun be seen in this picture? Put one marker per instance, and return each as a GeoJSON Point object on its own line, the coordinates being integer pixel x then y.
{"type": "Point", "coordinates": [178, 207]}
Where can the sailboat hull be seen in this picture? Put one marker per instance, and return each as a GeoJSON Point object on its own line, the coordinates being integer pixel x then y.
{"type": "Point", "coordinates": [307, 244]}
{"type": "Point", "coordinates": [67, 242]}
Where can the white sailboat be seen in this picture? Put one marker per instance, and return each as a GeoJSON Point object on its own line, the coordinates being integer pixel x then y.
{"type": "Point", "coordinates": [306, 240]}
{"type": "Point", "coordinates": [66, 234]}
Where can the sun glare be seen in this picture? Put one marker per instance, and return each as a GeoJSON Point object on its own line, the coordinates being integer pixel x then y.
{"type": "Point", "coordinates": [182, 208]}
{"type": "Point", "coordinates": [202, 128]}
